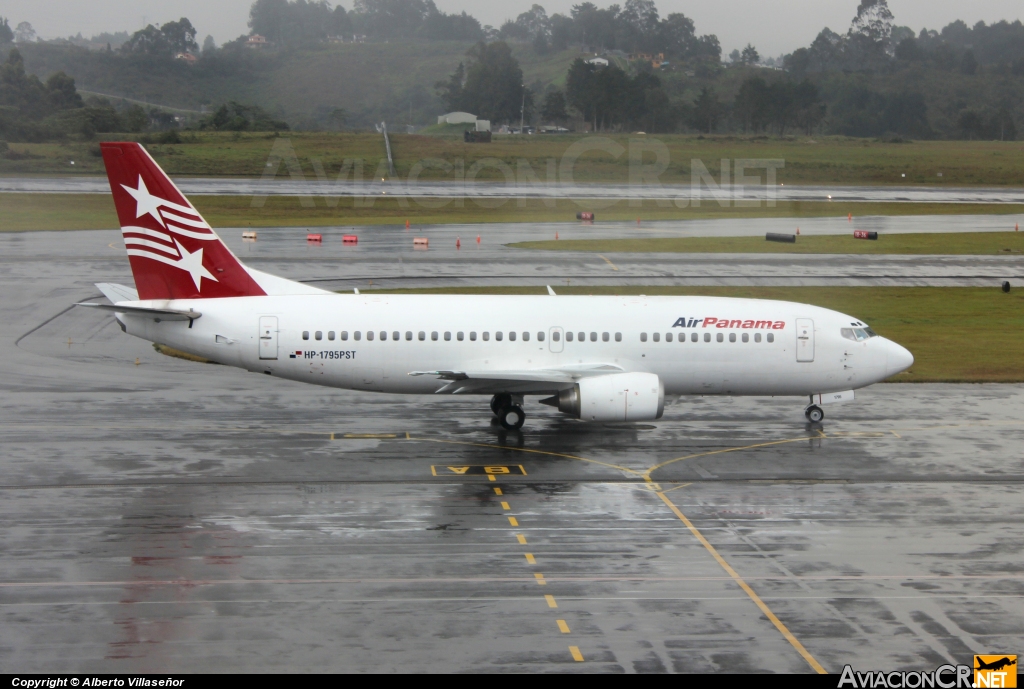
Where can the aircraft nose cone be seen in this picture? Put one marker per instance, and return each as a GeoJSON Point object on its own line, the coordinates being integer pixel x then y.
{"type": "Point", "coordinates": [897, 359]}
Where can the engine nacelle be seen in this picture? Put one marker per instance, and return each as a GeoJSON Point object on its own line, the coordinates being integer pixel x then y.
{"type": "Point", "coordinates": [614, 397]}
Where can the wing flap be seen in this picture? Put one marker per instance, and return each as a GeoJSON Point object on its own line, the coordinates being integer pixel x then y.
{"type": "Point", "coordinates": [529, 381]}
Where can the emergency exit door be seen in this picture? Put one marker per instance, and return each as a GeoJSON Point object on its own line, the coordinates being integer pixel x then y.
{"type": "Point", "coordinates": [268, 337]}
{"type": "Point", "coordinates": [804, 339]}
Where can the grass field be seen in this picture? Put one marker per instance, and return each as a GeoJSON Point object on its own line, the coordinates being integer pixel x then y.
{"type": "Point", "coordinates": [29, 212]}
{"type": "Point", "coordinates": [957, 334]}
{"type": "Point", "coordinates": [821, 160]}
{"type": "Point", "coordinates": [1009, 242]}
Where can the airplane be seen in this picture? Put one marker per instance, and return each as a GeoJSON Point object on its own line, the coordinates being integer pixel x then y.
{"type": "Point", "coordinates": [594, 358]}
{"type": "Point", "coordinates": [995, 665]}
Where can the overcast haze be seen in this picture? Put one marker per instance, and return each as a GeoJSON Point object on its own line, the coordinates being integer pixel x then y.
{"type": "Point", "coordinates": [773, 26]}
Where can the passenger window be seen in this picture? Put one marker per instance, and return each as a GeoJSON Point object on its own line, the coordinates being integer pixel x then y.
{"type": "Point", "coordinates": [556, 336]}
{"type": "Point", "coordinates": [757, 337]}
{"type": "Point", "coordinates": [512, 336]}
{"type": "Point", "coordinates": [487, 336]}
{"type": "Point", "coordinates": [319, 335]}
{"type": "Point", "coordinates": [369, 335]}
{"type": "Point", "coordinates": [383, 335]}
{"type": "Point", "coordinates": [643, 337]}
{"type": "Point", "coordinates": [707, 337]}
{"type": "Point", "coordinates": [582, 337]}
{"type": "Point", "coordinates": [746, 337]}
{"type": "Point", "coordinates": [657, 337]}
{"type": "Point", "coordinates": [604, 337]}
{"type": "Point", "coordinates": [732, 337]}
{"type": "Point", "coordinates": [498, 336]}
{"type": "Point", "coordinates": [540, 336]}
{"type": "Point", "coordinates": [447, 336]}
{"type": "Point", "coordinates": [344, 335]}
{"type": "Point", "coordinates": [433, 336]}
{"type": "Point", "coordinates": [357, 335]}
{"type": "Point", "coordinates": [618, 337]}
{"type": "Point", "coordinates": [568, 336]}
{"type": "Point", "coordinates": [396, 336]}
{"type": "Point", "coordinates": [720, 337]}
{"type": "Point", "coordinates": [459, 336]}
{"type": "Point", "coordinates": [668, 337]}
{"type": "Point", "coordinates": [593, 337]}
{"type": "Point", "coordinates": [472, 336]}
{"type": "Point", "coordinates": [771, 337]}
{"type": "Point", "coordinates": [422, 336]}
{"type": "Point", "coordinates": [305, 334]}
{"type": "Point", "coordinates": [330, 335]}
{"type": "Point", "coordinates": [408, 335]}
{"type": "Point", "coordinates": [526, 336]}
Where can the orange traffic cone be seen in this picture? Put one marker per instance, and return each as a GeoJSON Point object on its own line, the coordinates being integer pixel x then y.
{"type": "Point", "coordinates": [556, 236]}
{"type": "Point", "coordinates": [458, 243]}
{"type": "Point", "coordinates": [478, 239]}
{"type": "Point", "coordinates": [798, 230]}
{"type": "Point", "coordinates": [638, 222]}
{"type": "Point", "coordinates": [407, 224]}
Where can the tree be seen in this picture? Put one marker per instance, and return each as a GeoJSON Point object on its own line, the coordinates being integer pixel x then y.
{"type": "Point", "coordinates": [749, 55]}
{"type": "Point", "coordinates": [706, 111]}
{"type": "Point", "coordinates": [168, 40]}
{"type": "Point", "coordinates": [581, 89]}
{"type": "Point", "coordinates": [450, 90]}
{"type": "Point", "coordinates": [969, 64]}
{"type": "Point", "coordinates": [751, 103]}
{"type": "Point", "coordinates": [6, 35]}
{"type": "Point", "coordinates": [553, 109]}
{"type": "Point", "coordinates": [209, 45]}
{"type": "Point", "coordinates": [24, 33]}
{"type": "Point", "coordinates": [970, 124]}
{"type": "Point", "coordinates": [494, 88]}
{"type": "Point", "coordinates": [873, 20]}
{"type": "Point", "coordinates": [734, 56]}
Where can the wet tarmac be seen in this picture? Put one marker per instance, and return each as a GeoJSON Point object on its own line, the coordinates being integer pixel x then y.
{"type": "Point", "coordinates": [680, 194]}
{"type": "Point", "coordinates": [166, 516]}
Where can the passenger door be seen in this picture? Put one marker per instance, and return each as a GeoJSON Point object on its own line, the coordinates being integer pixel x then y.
{"type": "Point", "coordinates": [804, 339]}
{"type": "Point", "coordinates": [268, 337]}
{"type": "Point", "coordinates": [555, 336]}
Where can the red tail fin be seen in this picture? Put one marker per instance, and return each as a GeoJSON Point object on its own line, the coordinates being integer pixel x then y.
{"type": "Point", "coordinates": [174, 253]}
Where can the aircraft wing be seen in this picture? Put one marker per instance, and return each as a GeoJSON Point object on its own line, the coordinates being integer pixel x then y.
{"type": "Point", "coordinates": [522, 381]}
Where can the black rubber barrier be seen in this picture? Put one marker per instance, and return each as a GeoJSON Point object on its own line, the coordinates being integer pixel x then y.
{"type": "Point", "coordinates": [1006, 285]}
{"type": "Point", "coordinates": [776, 237]}
{"type": "Point", "coordinates": [864, 234]}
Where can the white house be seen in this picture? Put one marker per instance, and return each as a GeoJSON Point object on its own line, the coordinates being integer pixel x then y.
{"type": "Point", "coordinates": [464, 118]}
{"type": "Point", "coordinates": [599, 61]}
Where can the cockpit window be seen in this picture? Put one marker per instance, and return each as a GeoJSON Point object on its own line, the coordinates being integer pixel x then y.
{"type": "Point", "coordinates": [858, 334]}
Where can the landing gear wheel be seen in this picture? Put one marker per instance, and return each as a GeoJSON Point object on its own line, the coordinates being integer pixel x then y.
{"type": "Point", "coordinates": [512, 417]}
{"type": "Point", "coordinates": [499, 401]}
{"type": "Point", "coordinates": [814, 413]}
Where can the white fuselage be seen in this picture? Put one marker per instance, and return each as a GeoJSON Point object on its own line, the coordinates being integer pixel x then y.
{"type": "Point", "coordinates": [756, 352]}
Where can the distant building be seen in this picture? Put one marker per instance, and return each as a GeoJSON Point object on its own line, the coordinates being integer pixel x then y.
{"type": "Point", "coordinates": [465, 118]}
{"type": "Point", "coordinates": [256, 41]}
{"type": "Point", "coordinates": [599, 61]}
{"type": "Point", "coordinates": [188, 58]}
{"type": "Point", "coordinates": [656, 59]}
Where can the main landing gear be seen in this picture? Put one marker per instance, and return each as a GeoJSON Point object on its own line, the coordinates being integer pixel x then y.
{"type": "Point", "coordinates": [813, 412]}
{"type": "Point", "coordinates": [509, 411]}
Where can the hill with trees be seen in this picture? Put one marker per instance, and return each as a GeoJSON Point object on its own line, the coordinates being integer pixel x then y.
{"type": "Point", "coordinates": [316, 65]}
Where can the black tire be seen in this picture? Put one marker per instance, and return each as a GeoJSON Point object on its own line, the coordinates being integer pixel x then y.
{"type": "Point", "coordinates": [499, 401]}
{"type": "Point", "coordinates": [814, 414]}
{"type": "Point", "coordinates": [512, 417]}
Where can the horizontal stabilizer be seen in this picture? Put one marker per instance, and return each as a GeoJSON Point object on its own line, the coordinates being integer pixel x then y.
{"type": "Point", "coordinates": [155, 314]}
{"type": "Point", "coordinates": [116, 293]}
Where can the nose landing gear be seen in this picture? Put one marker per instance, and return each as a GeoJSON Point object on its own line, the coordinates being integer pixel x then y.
{"type": "Point", "coordinates": [509, 411]}
{"type": "Point", "coordinates": [814, 413]}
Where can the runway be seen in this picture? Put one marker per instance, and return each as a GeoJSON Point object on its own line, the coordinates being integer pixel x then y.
{"type": "Point", "coordinates": [471, 189]}
{"type": "Point", "coordinates": [167, 516]}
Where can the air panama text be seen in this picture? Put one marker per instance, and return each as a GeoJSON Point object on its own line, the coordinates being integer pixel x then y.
{"type": "Point", "coordinates": [726, 323]}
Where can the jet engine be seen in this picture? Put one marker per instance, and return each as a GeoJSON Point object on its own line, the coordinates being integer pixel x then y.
{"type": "Point", "coordinates": [613, 397]}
